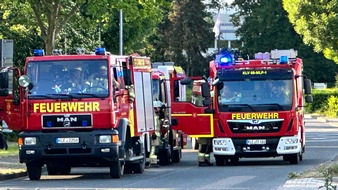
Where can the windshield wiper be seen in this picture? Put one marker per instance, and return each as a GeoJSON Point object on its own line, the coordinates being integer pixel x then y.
{"type": "Point", "coordinates": [244, 105]}
{"type": "Point", "coordinates": [102, 96]}
{"type": "Point", "coordinates": [61, 96]}
{"type": "Point", "coordinates": [40, 96]}
{"type": "Point", "coordinates": [278, 105]}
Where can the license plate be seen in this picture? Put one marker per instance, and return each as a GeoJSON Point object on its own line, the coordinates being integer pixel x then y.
{"type": "Point", "coordinates": [67, 140]}
{"type": "Point", "coordinates": [255, 141]}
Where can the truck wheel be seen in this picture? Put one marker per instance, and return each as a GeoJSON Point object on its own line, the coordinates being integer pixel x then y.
{"type": "Point", "coordinates": [221, 160]}
{"type": "Point", "coordinates": [294, 158]}
{"type": "Point", "coordinates": [33, 170]}
{"type": "Point", "coordinates": [177, 154]}
{"type": "Point", "coordinates": [234, 159]}
{"type": "Point", "coordinates": [286, 158]}
{"type": "Point", "coordinates": [164, 157]}
{"type": "Point", "coordinates": [127, 168]}
{"type": "Point", "coordinates": [139, 167]}
{"type": "Point", "coordinates": [116, 169]}
{"type": "Point", "coordinates": [194, 143]}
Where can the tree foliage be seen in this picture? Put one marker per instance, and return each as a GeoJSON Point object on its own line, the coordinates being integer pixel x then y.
{"type": "Point", "coordinates": [189, 35]}
{"type": "Point", "coordinates": [17, 24]}
{"type": "Point", "coordinates": [264, 26]}
{"type": "Point", "coordinates": [69, 24]}
{"type": "Point", "coordinates": [316, 21]}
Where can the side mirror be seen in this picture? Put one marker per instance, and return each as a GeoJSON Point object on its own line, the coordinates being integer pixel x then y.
{"type": "Point", "coordinates": [220, 86]}
{"type": "Point", "coordinates": [127, 77]}
{"type": "Point", "coordinates": [308, 99]}
{"type": "Point", "coordinates": [25, 81]}
{"type": "Point", "coordinates": [4, 80]}
{"type": "Point", "coordinates": [307, 86]}
{"type": "Point", "coordinates": [206, 102]}
{"type": "Point", "coordinates": [205, 89]}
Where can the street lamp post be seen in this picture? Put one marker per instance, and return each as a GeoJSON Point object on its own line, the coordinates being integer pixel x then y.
{"type": "Point", "coordinates": [121, 32]}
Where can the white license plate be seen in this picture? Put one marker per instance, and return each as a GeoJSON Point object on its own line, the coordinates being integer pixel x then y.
{"type": "Point", "coordinates": [67, 140]}
{"type": "Point", "coordinates": [255, 141]}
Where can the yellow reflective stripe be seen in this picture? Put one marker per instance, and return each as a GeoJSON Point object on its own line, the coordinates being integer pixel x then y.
{"type": "Point", "coordinates": [179, 114]}
{"type": "Point", "coordinates": [131, 122]}
{"type": "Point", "coordinates": [202, 114]}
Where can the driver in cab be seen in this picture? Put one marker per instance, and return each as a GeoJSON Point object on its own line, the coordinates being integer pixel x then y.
{"type": "Point", "coordinates": [229, 95]}
{"type": "Point", "coordinates": [98, 82]}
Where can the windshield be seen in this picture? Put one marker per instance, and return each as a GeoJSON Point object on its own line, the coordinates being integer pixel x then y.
{"type": "Point", "coordinates": [63, 78]}
{"type": "Point", "coordinates": [256, 95]}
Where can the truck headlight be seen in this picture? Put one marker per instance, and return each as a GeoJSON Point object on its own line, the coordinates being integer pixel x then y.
{"type": "Point", "coordinates": [291, 141]}
{"type": "Point", "coordinates": [220, 142]}
{"type": "Point", "coordinates": [105, 139]}
{"type": "Point", "coordinates": [30, 141]}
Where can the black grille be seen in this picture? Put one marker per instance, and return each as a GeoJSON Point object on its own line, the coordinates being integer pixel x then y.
{"type": "Point", "coordinates": [263, 127]}
{"type": "Point", "coordinates": [66, 121]}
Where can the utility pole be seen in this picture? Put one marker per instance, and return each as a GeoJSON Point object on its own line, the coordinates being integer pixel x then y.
{"type": "Point", "coordinates": [121, 32]}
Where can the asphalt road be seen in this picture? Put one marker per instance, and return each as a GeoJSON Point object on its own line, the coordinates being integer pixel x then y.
{"type": "Point", "coordinates": [258, 173]}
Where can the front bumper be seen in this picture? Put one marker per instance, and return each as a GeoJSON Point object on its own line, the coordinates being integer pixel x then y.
{"type": "Point", "coordinates": [272, 147]}
{"type": "Point", "coordinates": [88, 151]}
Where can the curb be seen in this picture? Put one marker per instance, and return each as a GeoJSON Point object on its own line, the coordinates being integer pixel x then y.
{"type": "Point", "coordinates": [321, 118]}
{"type": "Point", "coordinates": [12, 176]}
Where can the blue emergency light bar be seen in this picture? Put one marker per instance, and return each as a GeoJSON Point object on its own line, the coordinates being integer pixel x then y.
{"type": "Point", "coordinates": [224, 59]}
{"type": "Point", "coordinates": [100, 51]}
{"type": "Point", "coordinates": [39, 52]}
{"type": "Point", "coordinates": [283, 59]}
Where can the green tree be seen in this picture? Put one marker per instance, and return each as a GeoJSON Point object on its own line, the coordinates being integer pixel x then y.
{"type": "Point", "coordinates": [66, 23]}
{"type": "Point", "coordinates": [264, 26]}
{"type": "Point", "coordinates": [316, 21]}
{"type": "Point", "coordinates": [189, 36]}
{"type": "Point", "coordinates": [140, 19]}
{"type": "Point", "coordinates": [18, 25]}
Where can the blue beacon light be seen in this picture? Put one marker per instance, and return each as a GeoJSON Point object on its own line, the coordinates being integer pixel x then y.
{"type": "Point", "coordinates": [224, 60]}
{"type": "Point", "coordinates": [283, 59]}
{"type": "Point", "coordinates": [39, 52]}
{"type": "Point", "coordinates": [100, 51]}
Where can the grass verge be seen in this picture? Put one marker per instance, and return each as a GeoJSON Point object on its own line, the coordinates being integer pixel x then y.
{"type": "Point", "coordinates": [12, 150]}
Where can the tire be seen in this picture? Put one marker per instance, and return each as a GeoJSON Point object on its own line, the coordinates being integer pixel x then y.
{"type": "Point", "coordinates": [127, 169]}
{"type": "Point", "coordinates": [33, 170]}
{"type": "Point", "coordinates": [177, 154]}
{"type": "Point", "coordinates": [138, 168]}
{"type": "Point", "coordinates": [194, 143]}
{"type": "Point", "coordinates": [221, 160]}
{"type": "Point", "coordinates": [164, 157]}
{"type": "Point", "coordinates": [116, 169]}
{"type": "Point", "coordinates": [294, 158]}
{"type": "Point", "coordinates": [286, 158]}
{"type": "Point", "coordinates": [234, 159]}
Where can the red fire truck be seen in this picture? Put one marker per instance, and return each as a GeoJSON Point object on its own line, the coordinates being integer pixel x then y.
{"type": "Point", "coordinates": [99, 122]}
{"type": "Point", "coordinates": [255, 108]}
{"type": "Point", "coordinates": [169, 143]}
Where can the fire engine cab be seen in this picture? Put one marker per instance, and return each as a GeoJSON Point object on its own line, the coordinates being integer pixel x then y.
{"type": "Point", "coordinates": [80, 110]}
{"type": "Point", "coordinates": [255, 108]}
{"type": "Point", "coordinates": [169, 143]}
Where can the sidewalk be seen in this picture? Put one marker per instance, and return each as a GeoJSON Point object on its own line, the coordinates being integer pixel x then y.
{"type": "Point", "coordinates": [312, 183]}
{"type": "Point", "coordinates": [10, 168]}
{"type": "Point", "coordinates": [307, 184]}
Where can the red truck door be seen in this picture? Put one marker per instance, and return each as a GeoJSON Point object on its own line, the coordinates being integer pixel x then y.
{"type": "Point", "coordinates": [10, 102]}
{"type": "Point", "coordinates": [189, 114]}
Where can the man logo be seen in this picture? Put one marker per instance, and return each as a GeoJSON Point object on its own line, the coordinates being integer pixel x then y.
{"type": "Point", "coordinates": [255, 121]}
{"type": "Point", "coordinates": [66, 120]}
